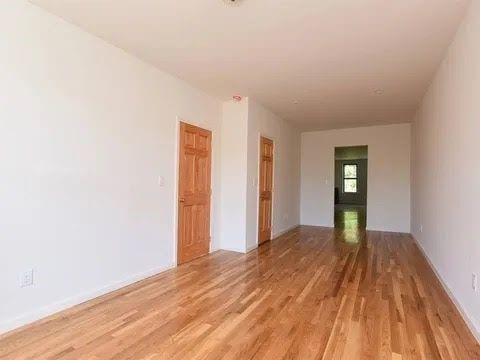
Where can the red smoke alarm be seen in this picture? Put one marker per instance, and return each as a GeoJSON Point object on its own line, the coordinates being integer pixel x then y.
{"type": "Point", "coordinates": [237, 97]}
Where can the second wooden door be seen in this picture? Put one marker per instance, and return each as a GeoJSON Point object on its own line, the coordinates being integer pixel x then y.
{"type": "Point", "coordinates": [266, 190]}
{"type": "Point", "coordinates": [194, 193]}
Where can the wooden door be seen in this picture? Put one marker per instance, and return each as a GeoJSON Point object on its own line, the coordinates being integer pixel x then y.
{"type": "Point", "coordinates": [266, 188]}
{"type": "Point", "coordinates": [194, 192]}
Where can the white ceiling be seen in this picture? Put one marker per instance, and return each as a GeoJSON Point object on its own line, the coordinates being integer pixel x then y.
{"type": "Point", "coordinates": [329, 55]}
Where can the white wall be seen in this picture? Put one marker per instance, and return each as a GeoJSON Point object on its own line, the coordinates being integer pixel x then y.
{"type": "Point", "coordinates": [85, 132]}
{"type": "Point", "coordinates": [234, 175]}
{"type": "Point", "coordinates": [388, 197]}
{"type": "Point", "coordinates": [446, 171]}
{"type": "Point", "coordinates": [243, 124]}
{"type": "Point", "coordinates": [286, 188]}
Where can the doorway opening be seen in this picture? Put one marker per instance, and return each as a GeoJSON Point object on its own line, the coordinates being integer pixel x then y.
{"type": "Point", "coordinates": [351, 179]}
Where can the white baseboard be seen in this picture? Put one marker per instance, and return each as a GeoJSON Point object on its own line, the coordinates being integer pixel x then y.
{"type": "Point", "coordinates": [332, 226]}
{"type": "Point", "coordinates": [251, 247]}
{"type": "Point", "coordinates": [474, 328]}
{"type": "Point", "coordinates": [284, 231]}
{"type": "Point", "coordinates": [399, 231]}
{"type": "Point", "coordinates": [233, 249]}
{"type": "Point", "coordinates": [61, 305]}
{"type": "Point", "coordinates": [254, 246]}
{"type": "Point", "coordinates": [329, 225]}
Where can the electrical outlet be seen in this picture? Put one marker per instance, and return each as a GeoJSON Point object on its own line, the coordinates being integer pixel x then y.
{"type": "Point", "coordinates": [474, 282]}
{"type": "Point", "coordinates": [26, 279]}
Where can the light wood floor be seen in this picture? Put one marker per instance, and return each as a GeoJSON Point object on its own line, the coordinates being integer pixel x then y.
{"type": "Point", "coordinates": [312, 293]}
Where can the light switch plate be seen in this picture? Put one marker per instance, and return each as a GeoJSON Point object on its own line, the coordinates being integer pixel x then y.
{"type": "Point", "coordinates": [26, 279]}
{"type": "Point", "coordinates": [161, 181]}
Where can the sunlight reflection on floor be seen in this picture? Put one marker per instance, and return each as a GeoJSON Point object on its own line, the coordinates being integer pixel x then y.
{"type": "Point", "coordinates": [350, 219]}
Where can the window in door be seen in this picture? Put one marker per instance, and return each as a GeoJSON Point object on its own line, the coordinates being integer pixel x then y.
{"type": "Point", "coordinates": [350, 179]}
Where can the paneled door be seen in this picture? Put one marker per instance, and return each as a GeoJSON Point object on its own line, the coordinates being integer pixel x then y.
{"type": "Point", "coordinates": [194, 192]}
{"type": "Point", "coordinates": [266, 188]}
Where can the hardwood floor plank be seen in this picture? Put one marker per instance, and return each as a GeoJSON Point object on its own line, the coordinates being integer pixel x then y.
{"type": "Point", "coordinates": [313, 293]}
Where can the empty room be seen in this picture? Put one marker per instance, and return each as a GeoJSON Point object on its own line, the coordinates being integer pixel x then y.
{"type": "Point", "coordinates": [239, 179]}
